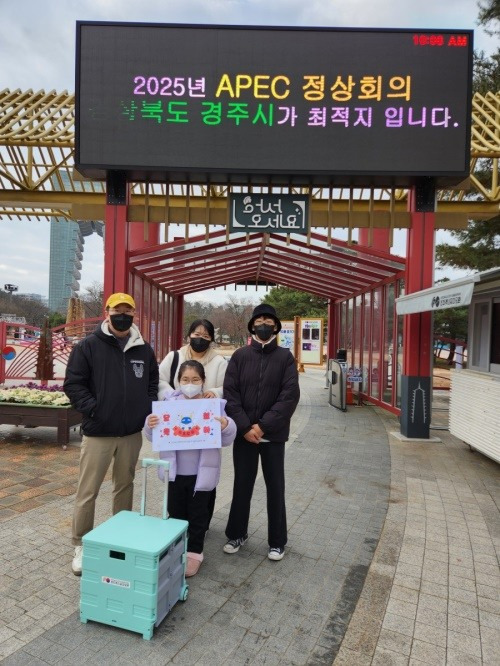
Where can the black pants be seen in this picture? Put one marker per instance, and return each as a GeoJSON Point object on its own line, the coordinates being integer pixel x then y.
{"type": "Point", "coordinates": [246, 463]}
{"type": "Point", "coordinates": [185, 504]}
{"type": "Point", "coordinates": [211, 506]}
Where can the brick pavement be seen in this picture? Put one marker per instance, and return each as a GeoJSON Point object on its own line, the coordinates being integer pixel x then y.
{"type": "Point", "coordinates": [307, 609]}
{"type": "Point", "coordinates": [432, 594]}
{"type": "Point", "coordinates": [23, 452]}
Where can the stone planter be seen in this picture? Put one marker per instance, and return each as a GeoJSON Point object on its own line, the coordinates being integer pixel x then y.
{"type": "Point", "coordinates": [62, 418]}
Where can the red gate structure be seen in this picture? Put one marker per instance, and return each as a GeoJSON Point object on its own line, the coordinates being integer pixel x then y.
{"type": "Point", "coordinates": [376, 153]}
{"type": "Point", "coordinates": [26, 339]}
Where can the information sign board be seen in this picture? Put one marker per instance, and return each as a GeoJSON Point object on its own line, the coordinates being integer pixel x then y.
{"type": "Point", "coordinates": [273, 105]}
{"type": "Point", "coordinates": [286, 337]}
{"type": "Point", "coordinates": [311, 341]}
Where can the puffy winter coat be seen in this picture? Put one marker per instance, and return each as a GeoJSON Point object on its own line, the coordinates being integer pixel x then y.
{"type": "Point", "coordinates": [262, 386]}
{"type": "Point", "coordinates": [215, 369]}
{"type": "Point", "coordinates": [113, 389]}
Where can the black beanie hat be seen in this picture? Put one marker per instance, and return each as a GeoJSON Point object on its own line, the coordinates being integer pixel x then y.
{"type": "Point", "coordinates": [263, 310]}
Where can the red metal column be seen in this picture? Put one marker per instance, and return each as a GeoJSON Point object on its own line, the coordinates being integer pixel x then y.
{"type": "Point", "coordinates": [179, 321]}
{"type": "Point", "coordinates": [3, 343]}
{"type": "Point", "coordinates": [115, 250]}
{"type": "Point", "coordinates": [162, 333]}
{"type": "Point", "coordinates": [169, 326]}
{"type": "Point", "coordinates": [141, 307]}
{"type": "Point", "coordinates": [370, 345]}
{"type": "Point", "coordinates": [417, 335]}
{"type": "Point", "coordinates": [172, 324]}
{"type": "Point", "coordinates": [380, 239]}
{"type": "Point", "coordinates": [417, 328]}
{"type": "Point", "coordinates": [332, 330]}
{"type": "Point", "coordinates": [136, 235]}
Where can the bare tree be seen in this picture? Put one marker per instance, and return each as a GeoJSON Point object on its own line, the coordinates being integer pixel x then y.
{"type": "Point", "coordinates": [93, 300]}
{"type": "Point", "coordinates": [197, 310]}
{"type": "Point", "coordinates": [34, 311]}
{"type": "Point", "coordinates": [10, 304]}
{"type": "Point", "coordinates": [229, 319]}
{"type": "Point", "coordinates": [234, 319]}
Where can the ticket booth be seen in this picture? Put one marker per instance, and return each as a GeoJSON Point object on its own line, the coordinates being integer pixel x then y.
{"type": "Point", "coordinates": [474, 416]}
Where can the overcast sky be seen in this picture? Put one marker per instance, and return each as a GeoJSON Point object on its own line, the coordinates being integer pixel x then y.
{"type": "Point", "coordinates": [37, 51]}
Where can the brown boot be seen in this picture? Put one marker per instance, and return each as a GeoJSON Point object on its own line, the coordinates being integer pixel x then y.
{"type": "Point", "coordinates": [193, 564]}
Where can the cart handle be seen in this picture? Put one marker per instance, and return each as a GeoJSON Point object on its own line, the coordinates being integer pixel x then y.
{"type": "Point", "coordinates": [146, 462]}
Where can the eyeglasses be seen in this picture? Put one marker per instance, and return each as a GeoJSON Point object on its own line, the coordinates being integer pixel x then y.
{"type": "Point", "coordinates": [190, 380]}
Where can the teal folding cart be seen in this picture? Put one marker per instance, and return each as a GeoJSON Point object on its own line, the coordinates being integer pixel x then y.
{"type": "Point", "coordinates": [134, 566]}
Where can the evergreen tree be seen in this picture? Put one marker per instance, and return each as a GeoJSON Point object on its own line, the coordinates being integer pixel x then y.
{"type": "Point", "coordinates": [452, 325]}
{"type": "Point", "coordinates": [486, 72]}
{"type": "Point", "coordinates": [478, 246]}
{"type": "Point", "coordinates": [289, 303]}
{"type": "Point", "coordinates": [56, 319]}
{"type": "Point", "coordinates": [489, 12]}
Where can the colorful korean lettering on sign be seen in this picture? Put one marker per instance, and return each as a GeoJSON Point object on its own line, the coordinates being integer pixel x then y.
{"type": "Point", "coordinates": [289, 106]}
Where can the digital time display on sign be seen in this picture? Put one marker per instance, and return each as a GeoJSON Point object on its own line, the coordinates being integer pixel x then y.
{"type": "Point", "coordinates": [261, 105]}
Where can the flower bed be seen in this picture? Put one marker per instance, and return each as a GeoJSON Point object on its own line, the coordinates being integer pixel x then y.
{"type": "Point", "coordinates": [32, 405]}
{"type": "Point", "coordinates": [31, 394]}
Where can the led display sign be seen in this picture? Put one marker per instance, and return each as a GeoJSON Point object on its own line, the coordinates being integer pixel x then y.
{"type": "Point", "coordinates": [262, 105]}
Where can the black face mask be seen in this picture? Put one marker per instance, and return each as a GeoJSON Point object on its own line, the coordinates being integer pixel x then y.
{"type": "Point", "coordinates": [121, 322]}
{"type": "Point", "coordinates": [264, 331]}
{"type": "Point", "coordinates": [199, 344]}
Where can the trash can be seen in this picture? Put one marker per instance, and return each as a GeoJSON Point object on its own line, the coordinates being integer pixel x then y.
{"type": "Point", "coordinates": [337, 377]}
{"type": "Point", "coordinates": [341, 355]}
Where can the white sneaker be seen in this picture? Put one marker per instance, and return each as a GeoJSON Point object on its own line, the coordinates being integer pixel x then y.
{"type": "Point", "coordinates": [276, 554]}
{"type": "Point", "coordinates": [233, 545]}
{"type": "Point", "coordinates": [76, 565]}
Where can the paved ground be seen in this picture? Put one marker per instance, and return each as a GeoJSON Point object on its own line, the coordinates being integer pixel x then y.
{"type": "Point", "coordinates": [392, 556]}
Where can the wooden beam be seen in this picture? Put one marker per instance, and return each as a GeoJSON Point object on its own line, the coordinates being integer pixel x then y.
{"type": "Point", "coordinates": [91, 206]}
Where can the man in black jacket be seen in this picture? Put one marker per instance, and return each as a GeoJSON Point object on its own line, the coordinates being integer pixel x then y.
{"type": "Point", "coordinates": [262, 391]}
{"type": "Point", "coordinates": [112, 379]}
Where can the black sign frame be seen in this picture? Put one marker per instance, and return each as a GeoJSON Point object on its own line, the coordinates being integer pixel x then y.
{"type": "Point", "coordinates": [285, 176]}
{"type": "Point", "coordinates": [269, 213]}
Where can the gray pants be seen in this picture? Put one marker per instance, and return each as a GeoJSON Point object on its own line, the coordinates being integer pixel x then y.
{"type": "Point", "coordinates": [95, 458]}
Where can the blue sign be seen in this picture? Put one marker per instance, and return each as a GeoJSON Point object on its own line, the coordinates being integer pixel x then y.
{"type": "Point", "coordinates": [354, 375]}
